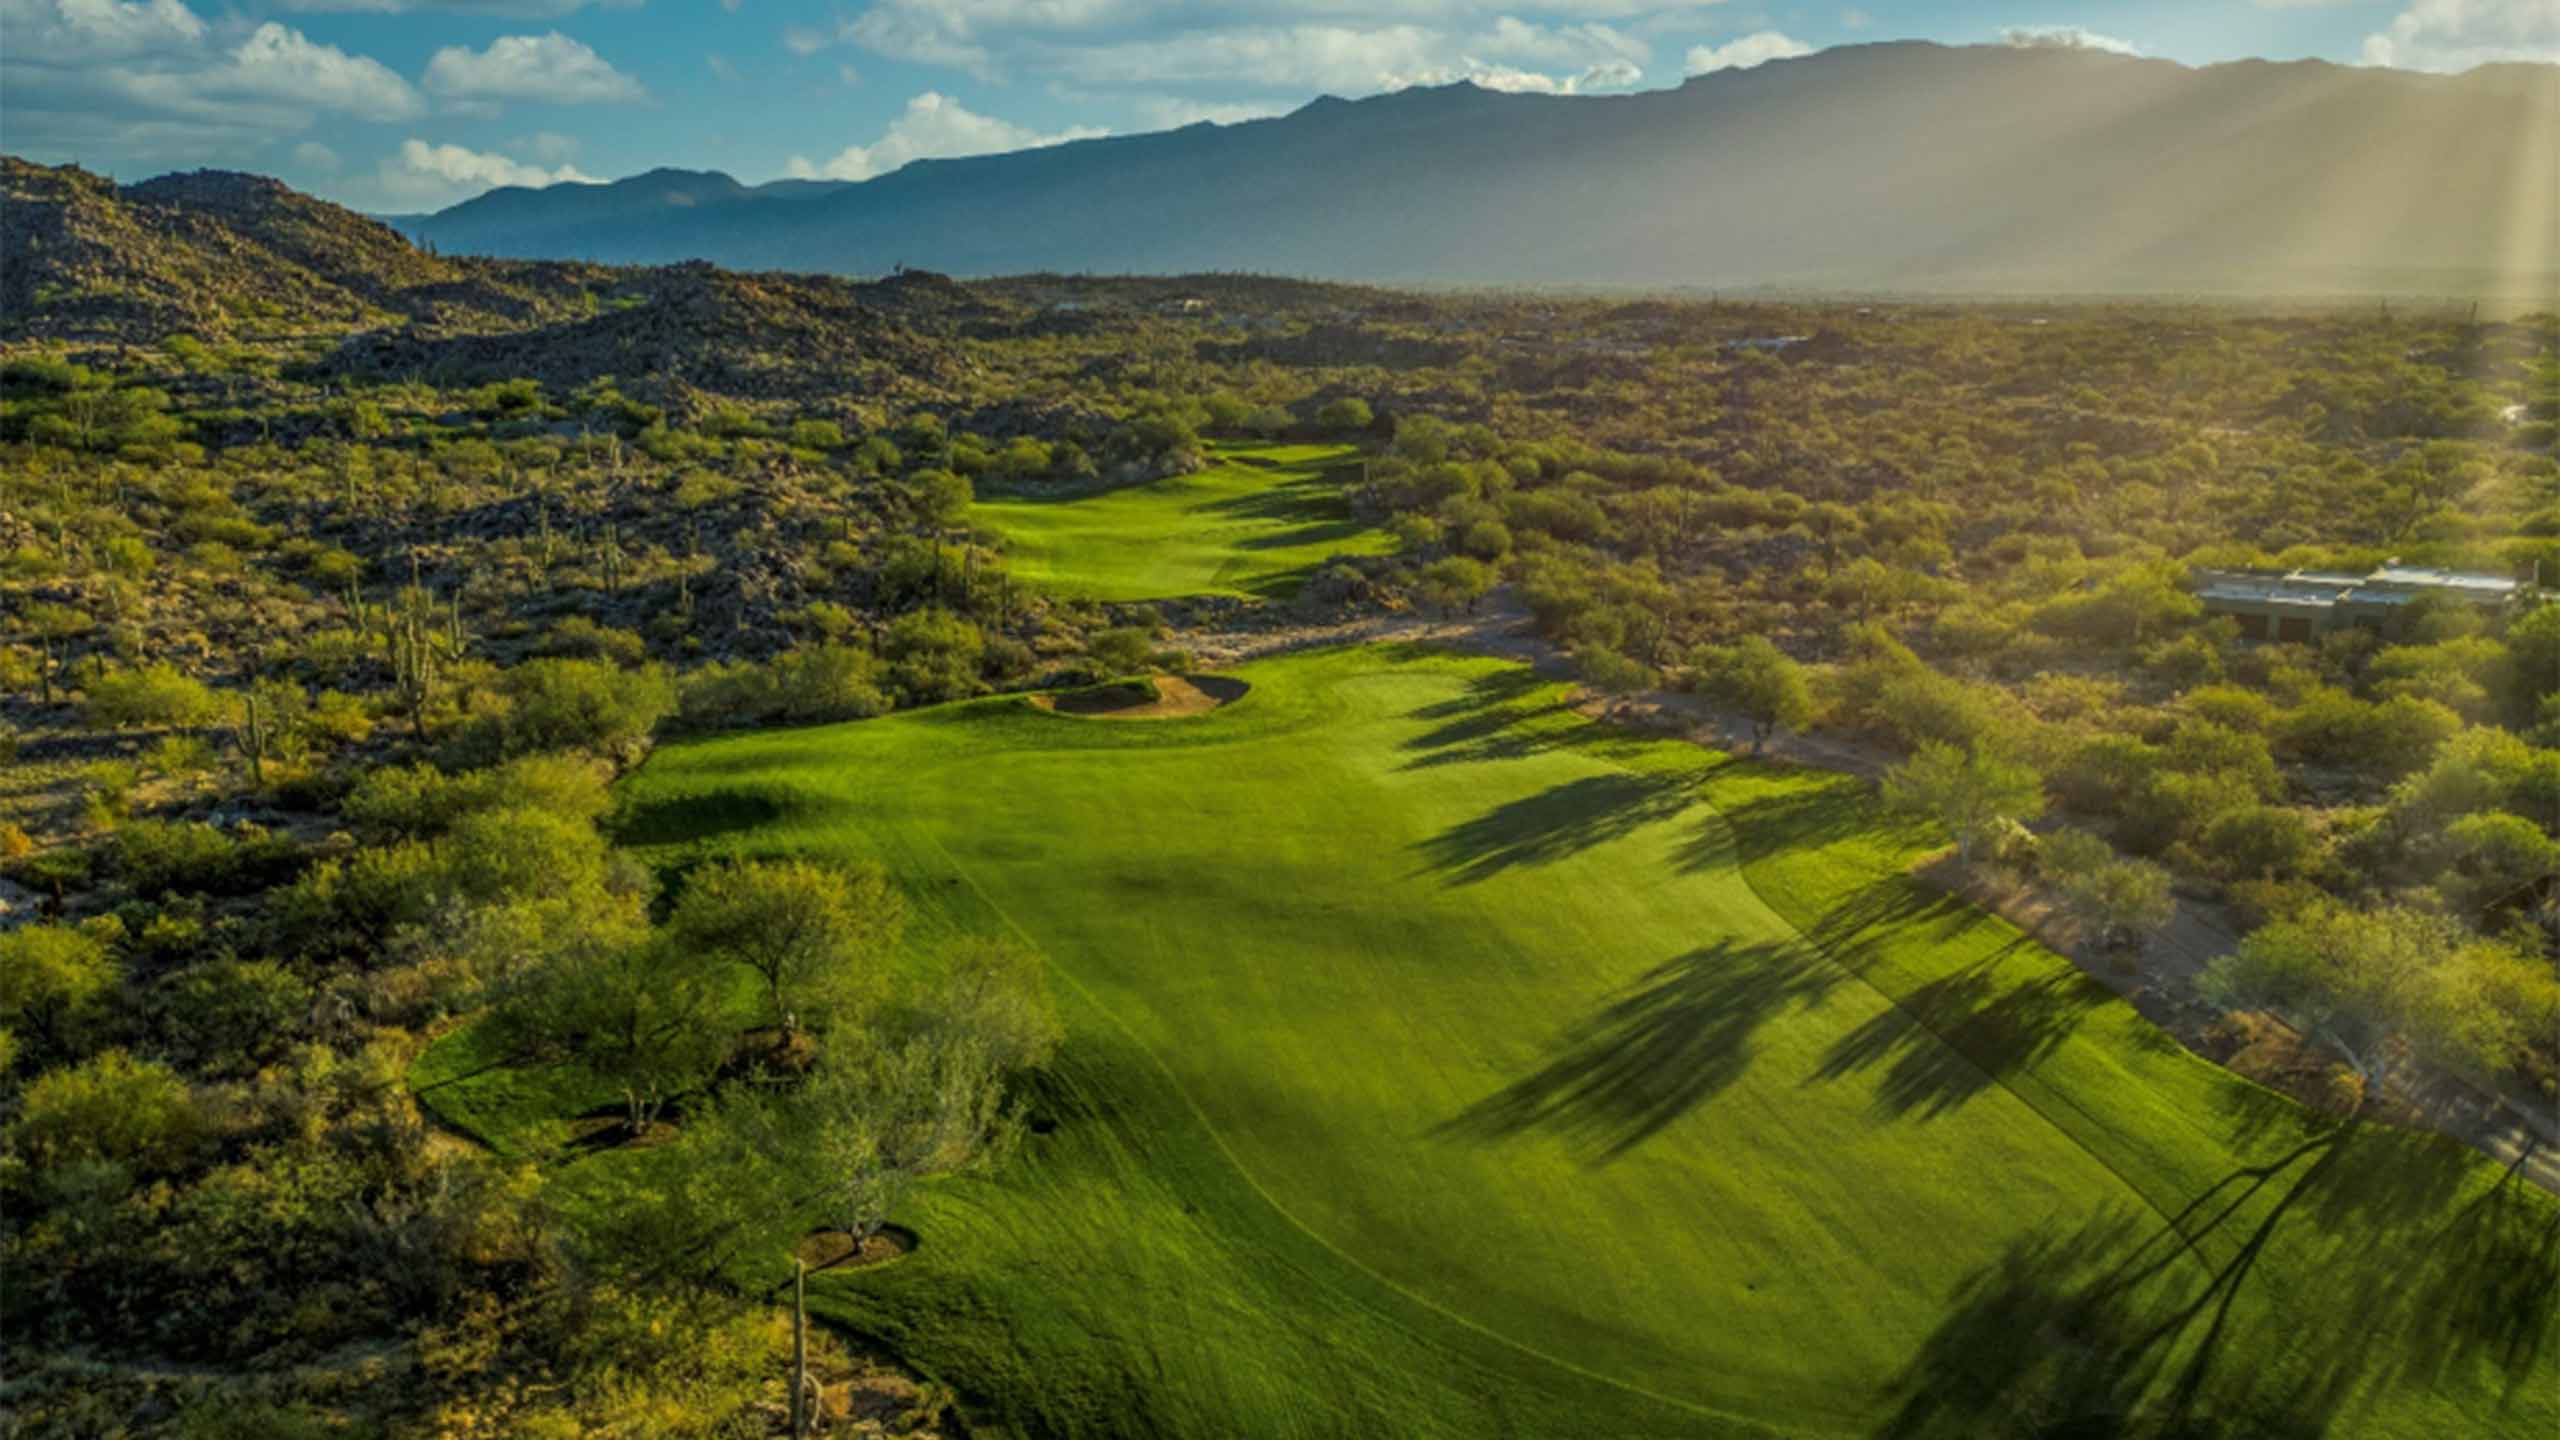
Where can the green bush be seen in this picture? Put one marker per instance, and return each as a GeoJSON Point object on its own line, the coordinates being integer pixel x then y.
{"type": "Point", "coordinates": [557, 704]}
{"type": "Point", "coordinates": [111, 1107]}
{"type": "Point", "coordinates": [158, 694]}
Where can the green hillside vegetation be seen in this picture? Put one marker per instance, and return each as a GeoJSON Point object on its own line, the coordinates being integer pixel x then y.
{"type": "Point", "coordinates": [1254, 522]}
{"type": "Point", "coordinates": [1439, 1062]}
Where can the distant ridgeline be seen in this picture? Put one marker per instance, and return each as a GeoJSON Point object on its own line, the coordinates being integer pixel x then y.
{"type": "Point", "coordinates": [1903, 166]}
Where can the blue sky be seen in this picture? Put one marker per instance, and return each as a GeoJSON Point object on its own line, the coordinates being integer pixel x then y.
{"type": "Point", "coordinates": [415, 104]}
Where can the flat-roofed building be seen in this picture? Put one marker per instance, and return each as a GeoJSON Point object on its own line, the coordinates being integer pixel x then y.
{"type": "Point", "coordinates": [2299, 604]}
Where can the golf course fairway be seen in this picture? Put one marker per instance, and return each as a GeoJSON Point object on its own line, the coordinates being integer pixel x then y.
{"type": "Point", "coordinates": [1441, 1063]}
{"type": "Point", "coordinates": [1253, 523]}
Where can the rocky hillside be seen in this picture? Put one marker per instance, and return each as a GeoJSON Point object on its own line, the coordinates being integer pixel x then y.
{"type": "Point", "coordinates": [747, 336]}
{"type": "Point", "coordinates": [230, 257]}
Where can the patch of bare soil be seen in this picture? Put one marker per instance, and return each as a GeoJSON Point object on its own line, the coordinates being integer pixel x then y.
{"type": "Point", "coordinates": [836, 1249]}
{"type": "Point", "coordinates": [1172, 698]}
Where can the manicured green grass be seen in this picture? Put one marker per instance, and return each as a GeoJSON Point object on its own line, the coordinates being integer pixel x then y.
{"type": "Point", "coordinates": [1442, 1064]}
{"type": "Point", "coordinates": [1254, 523]}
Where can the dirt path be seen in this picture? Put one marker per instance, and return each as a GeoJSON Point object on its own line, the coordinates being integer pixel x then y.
{"type": "Point", "coordinates": [2159, 980]}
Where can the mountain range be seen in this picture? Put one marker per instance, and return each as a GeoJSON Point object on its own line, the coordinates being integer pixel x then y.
{"type": "Point", "coordinates": [1905, 166]}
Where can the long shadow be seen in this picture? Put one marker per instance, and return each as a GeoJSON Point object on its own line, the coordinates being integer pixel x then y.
{"type": "Point", "coordinates": [1854, 930]}
{"type": "Point", "coordinates": [1304, 501]}
{"type": "Point", "coordinates": [1958, 1036]}
{"type": "Point", "coordinates": [1323, 532]}
{"type": "Point", "coordinates": [1557, 822]}
{"type": "Point", "coordinates": [1806, 818]}
{"type": "Point", "coordinates": [1655, 1052]}
{"type": "Point", "coordinates": [2108, 1331]}
{"type": "Point", "coordinates": [699, 816]}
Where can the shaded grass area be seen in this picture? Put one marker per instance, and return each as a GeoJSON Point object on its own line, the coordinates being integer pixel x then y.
{"type": "Point", "coordinates": [1256, 522]}
{"type": "Point", "coordinates": [1440, 1063]}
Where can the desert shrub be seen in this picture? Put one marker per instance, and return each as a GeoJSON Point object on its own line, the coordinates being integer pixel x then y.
{"type": "Point", "coordinates": [110, 1107]}
{"type": "Point", "coordinates": [55, 981]}
{"type": "Point", "coordinates": [157, 694]}
{"type": "Point", "coordinates": [156, 857]}
{"type": "Point", "coordinates": [560, 704]}
{"type": "Point", "coordinates": [933, 655]}
{"type": "Point", "coordinates": [579, 638]}
{"type": "Point", "coordinates": [229, 1017]}
{"type": "Point", "coordinates": [2258, 842]}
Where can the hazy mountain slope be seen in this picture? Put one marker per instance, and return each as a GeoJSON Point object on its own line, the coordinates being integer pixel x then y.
{"type": "Point", "coordinates": [1904, 164]}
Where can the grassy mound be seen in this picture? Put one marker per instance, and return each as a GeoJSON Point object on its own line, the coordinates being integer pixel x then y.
{"type": "Point", "coordinates": [1443, 1064]}
{"type": "Point", "coordinates": [1256, 522]}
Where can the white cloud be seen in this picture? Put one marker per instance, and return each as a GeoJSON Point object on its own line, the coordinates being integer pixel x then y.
{"type": "Point", "coordinates": [420, 174]}
{"type": "Point", "coordinates": [2064, 37]}
{"type": "Point", "coordinates": [70, 32]}
{"type": "Point", "coordinates": [312, 155]}
{"type": "Point", "coordinates": [275, 63]}
{"type": "Point", "coordinates": [2452, 35]}
{"type": "Point", "coordinates": [512, 9]}
{"type": "Point", "coordinates": [135, 84]}
{"type": "Point", "coordinates": [1282, 58]}
{"type": "Point", "coordinates": [550, 67]}
{"type": "Point", "coordinates": [1260, 46]}
{"type": "Point", "coordinates": [932, 125]}
{"type": "Point", "coordinates": [1756, 48]}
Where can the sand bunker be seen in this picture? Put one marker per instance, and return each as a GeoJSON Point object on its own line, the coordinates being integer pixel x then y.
{"type": "Point", "coordinates": [1169, 697]}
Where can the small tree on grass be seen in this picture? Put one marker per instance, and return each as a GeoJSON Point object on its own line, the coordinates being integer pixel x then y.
{"type": "Point", "coordinates": [2121, 900]}
{"type": "Point", "coordinates": [2365, 981]}
{"type": "Point", "coordinates": [881, 1115]}
{"type": "Point", "coordinates": [996, 992]}
{"type": "Point", "coordinates": [1974, 792]}
{"type": "Point", "coordinates": [643, 1015]}
{"type": "Point", "coordinates": [815, 936]}
{"type": "Point", "coordinates": [1757, 679]}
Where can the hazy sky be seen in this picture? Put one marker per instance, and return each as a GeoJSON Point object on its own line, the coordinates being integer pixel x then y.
{"type": "Point", "coordinates": [415, 104]}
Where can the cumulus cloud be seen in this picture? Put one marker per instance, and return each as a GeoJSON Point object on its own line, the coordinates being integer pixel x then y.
{"type": "Point", "coordinates": [275, 63]}
{"type": "Point", "coordinates": [1756, 48]}
{"type": "Point", "coordinates": [130, 84]}
{"type": "Point", "coordinates": [70, 32]}
{"type": "Point", "coordinates": [933, 125]}
{"type": "Point", "coordinates": [2453, 35]}
{"type": "Point", "coordinates": [423, 175]}
{"type": "Point", "coordinates": [2064, 37]}
{"type": "Point", "coordinates": [550, 67]}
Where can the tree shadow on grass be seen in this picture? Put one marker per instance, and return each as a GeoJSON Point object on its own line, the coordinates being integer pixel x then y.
{"type": "Point", "coordinates": [1498, 718]}
{"type": "Point", "coordinates": [681, 818]}
{"type": "Point", "coordinates": [1659, 1049]}
{"type": "Point", "coordinates": [1807, 817]}
{"type": "Point", "coordinates": [1312, 500]}
{"type": "Point", "coordinates": [1960, 1035]}
{"type": "Point", "coordinates": [2128, 1327]}
{"type": "Point", "coordinates": [1557, 822]}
